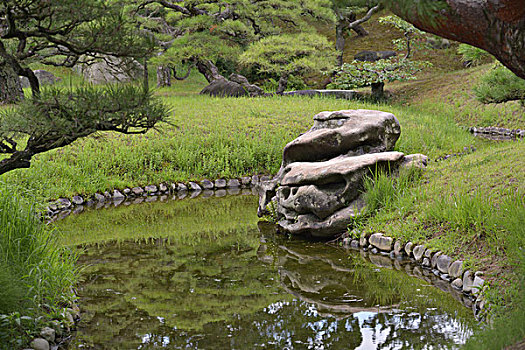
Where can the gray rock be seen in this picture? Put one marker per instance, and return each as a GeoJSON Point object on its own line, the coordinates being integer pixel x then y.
{"type": "Point", "coordinates": [246, 181]}
{"type": "Point", "coordinates": [363, 241]}
{"type": "Point", "coordinates": [181, 187]}
{"type": "Point", "coordinates": [99, 198]}
{"type": "Point", "coordinates": [374, 250]}
{"type": "Point", "coordinates": [354, 244]}
{"type": "Point", "coordinates": [66, 203]}
{"type": "Point", "coordinates": [44, 78]}
{"type": "Point", "coordinates": [107, 194]}
{"type": "Point", "coordinates": [193, 186]}
{"type": "Point", "coordinates": [53, 207]}
{"type": "Point", "coordinates": [117, 195]}
{"type": "Point", "coordinates": [39, 344]}
{"type": "Point", "coordinates": [255, 180]}
{"type": "Point", "coordinates": [418, 160]}
{"type": "Point", "coordinates": [150, 189]}
{"type": "Point", "coordinates": [428, 254]}
{"type": "Point", "coordinates": [207, 184]}
{"type": "Point", "coordinates": [127, 192]}
{"type": "Point", "coordinates": [173, 187]}
{"type": "Point", "coordinates": [220, 183]}
{"type": "Point", "coordinates": [111, 70]}
{"type": "Point", "coordinates": [443, 263]}
{"type": "Point", "coordinates": [445, 277]}
{"type": "Point", "coordinates": [77, 200]}
{"type": "Point", "coordinates": [372, 56]}
{"type": "Point", "coordinates": [408, 248]}
{"type": "Point", "coordinates": [468, 281]}
{"type": "Point", "coordinates": [137, 191]}
{"type": "Point", "coordinates": [477, 285]}
{"type": "Point", "coordinates": [418, 252]}
{"type": "Point", "coordinates": [48, 334]}
{"type": "Point", "coordinates": [398, 248]}
{"type": "Point", "coordinates": [265, 178]}
{"type": "Point", "coordinates": [457, 283]}
{"type": "Point", "coordinates": [163, 188]}
{"type": "Point", "coordinates": [426, 262]}
{"type": "Point", "coordinates": [433, 261]}
{"type": "Point", "coordinates": [232, 183]}
{"type": "Point", "coordinates": [456, 269]}
{"type": "Point", "coordinates": [381, 242]}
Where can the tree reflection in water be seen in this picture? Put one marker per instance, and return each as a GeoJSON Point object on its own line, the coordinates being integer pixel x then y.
{"type": "Point", "coordinates": [251, 289]}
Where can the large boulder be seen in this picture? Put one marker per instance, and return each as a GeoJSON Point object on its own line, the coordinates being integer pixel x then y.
{"type": "Point", "coordinates": [111, 70]}
{"type": "Point", "coordinates": [316, 191]}
{"type": "Point", "coordinates": [44, 78]}
{"type": "Point", "coordinates": [372, 56]}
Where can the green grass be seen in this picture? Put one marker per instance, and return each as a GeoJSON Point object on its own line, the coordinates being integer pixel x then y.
{"type": "Point", "coordinates": [211, 138]}
{"type": "Point", "coordinates": [36, 274]}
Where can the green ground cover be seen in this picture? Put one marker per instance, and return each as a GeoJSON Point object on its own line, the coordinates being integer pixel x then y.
{"type": "Point", "coordinates": [36, 273]}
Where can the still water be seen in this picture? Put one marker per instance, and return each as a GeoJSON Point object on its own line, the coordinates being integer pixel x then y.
{"type": "Point", "coordinates": [203, 274]}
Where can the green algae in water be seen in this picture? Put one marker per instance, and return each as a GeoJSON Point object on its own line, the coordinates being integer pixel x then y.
{"type": "Point", "coordinates": [237, 287]}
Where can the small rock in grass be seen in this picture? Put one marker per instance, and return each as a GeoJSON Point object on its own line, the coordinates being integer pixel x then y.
{"type": "Point", "coordinates": [246, 181]}
{"type": "Point", "coordinates": [408, 248]}
{"type": "Point", "coordinates": [477, 285]}
{"type": "Point", "coordinates": [48, 334]}
{"type": "Point", "coordinates": [398, 248]}
{"type": "Point", "coordinates": [381, 242]}
{"type": "Point", "coordinates": [255, 180]}
{"type": "Point", "coordinates": [163, 188]}
{"type": "Point", "coordinates": [181, 187]}
{"type": "Point", "coordinates": [137, 191]}
{"type": "Point", "coordinates": [426, 262]}
{"type": "Point", "coordinates": [457, 283]}
{"type": "Point", "coordinates": [443, 263]}
{"type": "Point", "coordinates": [193, 186]}
{"type": "Point", "coordinates": [66, 203]}
{"type": "Point", "coordinates": [150, 189]}
{"type": "Point", "coordinates": [220, 183]}
{"type": "Point", "coordinates": [39, 344]}
{"type": "Point", "coordinates": [117, 195]}
{"type": "Point", "coordinates": [433, 261]}
{"type": "Point", "coordinates": [456, 269]}
{"type": "Point", "coordinates": [77, 200]}
{"type": "Point", "coordinates": [468, 281]}
{"type": "Point", "coordinates": [233, 183]}
{"type": "Point", "coordinates": [418, 252]}
{"type": "Point", "coordinates": [207, 184]}
{"type": "Point", "coordinates": [126, 192]}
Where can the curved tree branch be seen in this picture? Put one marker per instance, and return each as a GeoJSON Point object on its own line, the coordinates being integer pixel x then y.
{"type": "Point", "coordinates": [497, 26]}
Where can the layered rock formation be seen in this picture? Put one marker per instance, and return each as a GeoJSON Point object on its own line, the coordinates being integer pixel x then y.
{"type": "Point", "coordinates": [317, 190]}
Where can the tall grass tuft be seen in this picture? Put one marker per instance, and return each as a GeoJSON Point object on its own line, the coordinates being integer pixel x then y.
{"type": "Point", "coordinates": [35, 274]}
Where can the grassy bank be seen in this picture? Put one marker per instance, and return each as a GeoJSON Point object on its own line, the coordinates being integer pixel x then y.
{"type": "Point", "coordinates": [212, 138]}
{"type": "Point", "coordinates": [36, 274]}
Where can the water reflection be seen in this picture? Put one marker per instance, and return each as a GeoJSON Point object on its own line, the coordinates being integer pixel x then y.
{"type": "Point", "coordinates": [246, 288]}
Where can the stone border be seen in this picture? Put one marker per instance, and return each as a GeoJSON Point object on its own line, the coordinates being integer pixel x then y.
{"type": "Point", "coordinates": [58, 332]}
{"type": "Point", "coordinates": [465, 283]}
{"type": "Point", "coordinates": [497, 133]}
{"type": "Point", "coordinates": [63, 207]}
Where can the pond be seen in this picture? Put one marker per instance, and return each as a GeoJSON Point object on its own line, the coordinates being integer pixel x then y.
{"type": "Point", "coordinates": [203, 274]}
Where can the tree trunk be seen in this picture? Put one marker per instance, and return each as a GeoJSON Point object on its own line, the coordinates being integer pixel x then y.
{"type": "Point", "coordinates": [378, 92]}
{"type": "Point", "coordinates": [163, 76]}
{"type": "Point", "coordinates": [209, 70]}
{"type": "Point", "coordinates": [145, 77]}
{"type": "Point", "coordinates": [358, 29]}
{"type": "Point", "coordinates": [497, 26]}
{"type": "Point", "coordinates": [283, 83]}
{"type": "Point", "coordinates": [10, 87]}
{"type": "Point", "coordinates": [340, 40]}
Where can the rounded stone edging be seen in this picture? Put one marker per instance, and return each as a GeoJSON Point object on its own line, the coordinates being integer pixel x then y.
{"type": "Point", "coordinates": [467, 283]}
{"type": "Point", "coordinates": [492, 130]}
{"type": "Point", "coordinates": [57, 332]}
{"type": "Point", "coordinates": [62, 207]}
